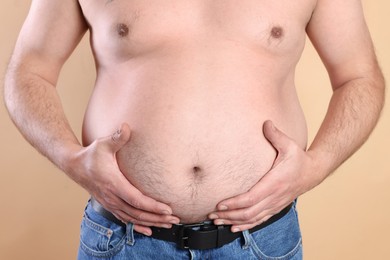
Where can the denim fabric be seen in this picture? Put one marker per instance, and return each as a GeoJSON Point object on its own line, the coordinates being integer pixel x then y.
{"type": "Point", "coordinates": [103, 239]}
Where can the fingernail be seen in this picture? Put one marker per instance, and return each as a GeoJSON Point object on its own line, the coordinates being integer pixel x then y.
{"type": "Point", "coordinates": [166, 226]}
{"type": "Point", "coordinates": [147, 233]}
{"type": "Point", "coordinates": [273, 127]}
{"type": "Point", "coordinates": [213, 216]}
{"type": "Point", "coordinates": [174, 221]}
{"type": "Point", "coordinates": [116, 135]}
{"type": "Point", "coordinates": [166, 212]}
{"type": "Point", "coordinates": [219, 222]}
{"type": "Point", "coordinates": [235, 230]}
{"type": "Point", "coordinates": [223, 207]}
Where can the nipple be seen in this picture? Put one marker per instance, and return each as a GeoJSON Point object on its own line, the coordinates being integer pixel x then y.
{"type": "Point", "coordinates": [122, 29]}
{"type": "Point", "coordinates": [277, 32]}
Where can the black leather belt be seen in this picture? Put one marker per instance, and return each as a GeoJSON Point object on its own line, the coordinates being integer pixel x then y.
{"type": "Point", "coordinates": [204, 235]}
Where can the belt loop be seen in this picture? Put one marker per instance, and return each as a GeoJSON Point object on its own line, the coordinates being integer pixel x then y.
{"type": "Point", "coordinates": [183, 237]}
{"type": "Point", "coordinates": [295, 203]}
{"type": "Point", "coordinates": [192, 254]}
{"type": "Point", "coordinates": [247, 239]}
{"type": "Point", "coordinates": [130, 234]}
{"type": "Point", "coordinates": [220, 242]}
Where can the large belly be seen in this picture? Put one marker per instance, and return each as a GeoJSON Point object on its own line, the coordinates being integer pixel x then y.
{"type": "Point", "coordinates": [196, 127]}
{"type": "Point", "coordinates": [193, 167]}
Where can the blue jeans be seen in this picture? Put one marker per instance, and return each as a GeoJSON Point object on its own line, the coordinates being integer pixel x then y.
{"type": "Point", "coordinates": [103, 239]}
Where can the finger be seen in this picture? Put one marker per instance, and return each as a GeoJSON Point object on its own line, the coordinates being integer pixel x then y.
{"type": "Point", "coordinates": [255, 195]}
{"type": "Point", "coordinates": [243, 215]}
{"type": "Point", "coordinates": [138, 216]}
{"type": "Point", "coordinates": [136, 199]}
{"type": "Point", "coordinates": [234, 216]}
{"type": "Point", "coordinates": [134, 207]}
{"type": "Point", "coordinates": [125, 218]}
{"type": "Point", "coordinates": [143, 230]}
{"type": "Point", "coordinates": [279, 140]}
{"type": "Point", "coordinates": [240, 228]}
{"type": "Point", "coordinates": [118, 139]}
{"type": "Point", "coordinates": [243, 227]}
{"type": "Point", "coordinates": [261, 217]}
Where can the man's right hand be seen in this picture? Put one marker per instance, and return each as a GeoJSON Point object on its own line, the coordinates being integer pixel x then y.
{"type": "Point", "coordinates": [96, 169]}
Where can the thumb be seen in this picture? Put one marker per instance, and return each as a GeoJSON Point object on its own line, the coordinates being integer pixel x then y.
{"type": "Point", "coordinates": [118, 139]}
{"type": "Point", "coordinates": [279, 140]}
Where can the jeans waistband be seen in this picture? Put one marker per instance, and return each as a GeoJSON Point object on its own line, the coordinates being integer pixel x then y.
{"type": "Point", "coordinates": [203, 235]}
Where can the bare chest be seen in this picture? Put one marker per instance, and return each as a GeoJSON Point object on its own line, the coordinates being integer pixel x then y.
{"type": "Point", "coordinates": [122, 28]}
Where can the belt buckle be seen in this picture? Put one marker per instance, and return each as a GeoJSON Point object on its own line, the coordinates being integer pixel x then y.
{"type": "Point", "coordinates": [183, 236]}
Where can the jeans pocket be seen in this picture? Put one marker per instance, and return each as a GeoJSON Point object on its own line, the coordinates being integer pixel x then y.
{"type": "Point", "coordinates": [100, 237]}
{"type": "Point", "coordinates": [281, 240]}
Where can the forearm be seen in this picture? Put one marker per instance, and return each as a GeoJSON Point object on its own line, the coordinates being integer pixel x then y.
{"type": "Point", "coordinates": [352, 114]}
{"type": "Point", "coordinates": [36, 109]}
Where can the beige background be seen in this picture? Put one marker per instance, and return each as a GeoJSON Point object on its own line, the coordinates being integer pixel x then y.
{"type": "Point", "coordinates": [347, 217]}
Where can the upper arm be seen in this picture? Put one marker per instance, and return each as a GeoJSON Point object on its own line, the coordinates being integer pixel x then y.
{"type": "Point", "coordinates": [339, 32]}
{"type": "Point", "coordinates": [50, 33]}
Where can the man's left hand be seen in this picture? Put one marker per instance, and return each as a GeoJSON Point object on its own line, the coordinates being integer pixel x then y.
{"type": "Point", "coordinates": [288, 178]}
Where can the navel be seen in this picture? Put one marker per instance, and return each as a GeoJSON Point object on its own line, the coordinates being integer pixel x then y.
{"type": "Point", "coordinates": [122, 30]}
{"type": "Point", "coordinates": [196, 170]}
{"type": "Point", "coordinates": [276, 32]}
{"type": "Point", "coordinates": [197, 174]}
{"type": "Point", "coordinates": [196, 179]}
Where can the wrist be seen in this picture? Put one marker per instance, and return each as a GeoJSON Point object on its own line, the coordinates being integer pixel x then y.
{"type": "Point", "coordinates": [68, 158]}
{"type": "Point", "coordinates": [319, 169]}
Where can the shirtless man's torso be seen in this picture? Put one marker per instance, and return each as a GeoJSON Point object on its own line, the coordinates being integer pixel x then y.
{"type": "Point", "coordinates": [195, 80]}
{"type": "Point", "coordinates": [203, 92]}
